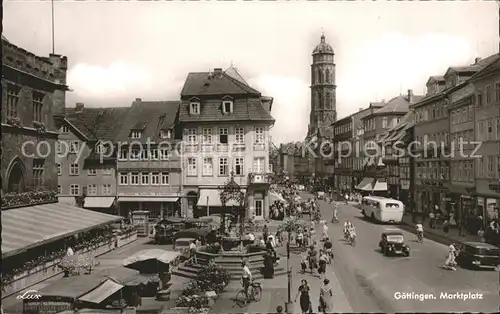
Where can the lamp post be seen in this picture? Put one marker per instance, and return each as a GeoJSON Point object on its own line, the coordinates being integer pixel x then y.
{"type": "Point", "coordinates": [289, 304]}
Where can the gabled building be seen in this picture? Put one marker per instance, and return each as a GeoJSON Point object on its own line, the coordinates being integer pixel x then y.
{"type": "Point", "coordinates": [148, 163]}
{"type": "Point", "coordinates": [225, 127]}
{"type": "Point", "coordinates": [86, 157]}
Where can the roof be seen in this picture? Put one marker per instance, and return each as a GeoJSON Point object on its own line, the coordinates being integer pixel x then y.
{"type": "Point", "coordinates": [480, 245]}
{"type": "Point", "coordinates": [494, 65]}
{"type": "Point", "coordinates": [436, 78]}
{"type": "Point", "coordinates": [221, 83]}
{"type": "Point", "coordinates": [473, 68]}
{"type": "Point", "coordinates": [243, 110]}
{"type": "Point", "coordinates": [150, 117]}
{"type": "Point", "coordinates": [5, 38]}
{"type": "Point", "coordinates": [325, 131]}
{"type": "Point", "coordinates": [97, 123]}
{"type": "Point", "coordinates": [323, 47]}
{"type": "Point", "coordinates": [399, 104]}
{"type": "Point", "coordinates": [233, 72]}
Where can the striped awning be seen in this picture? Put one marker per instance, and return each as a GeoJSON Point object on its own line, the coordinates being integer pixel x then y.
{"type": "Point", "coordinates": [27, 227]}
{"type": "Point", "coordinates": [211, 198]}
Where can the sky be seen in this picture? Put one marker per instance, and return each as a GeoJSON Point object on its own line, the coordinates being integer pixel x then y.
{"type": "Point", "coordinates": [119, 51]}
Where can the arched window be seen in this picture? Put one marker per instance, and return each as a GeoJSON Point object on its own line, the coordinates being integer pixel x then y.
{"type": "Point", "coordinates": [15, 179]}
{"type": "Point", "coordinates": [327, 76]}
{"type": "Point", "coordinates": [318, 76]}
{"type": "Point", "coordinates": [320, 80]}
{"type": "Point", "coordinates": [316, 101]}
{"type": "Point", "coordinates": [321, 101]}
{"type": "Point", "coordinates": [328, 100]}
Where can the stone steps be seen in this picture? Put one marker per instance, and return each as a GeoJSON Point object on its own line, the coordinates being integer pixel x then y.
{"type": "Point", "coordinates": [191, 270]}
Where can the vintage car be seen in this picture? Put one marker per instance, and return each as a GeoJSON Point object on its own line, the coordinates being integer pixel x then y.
{"type": "Point", "coordinates": [392, 243]}
{"type": "Point", "coordinates": [478, 254]}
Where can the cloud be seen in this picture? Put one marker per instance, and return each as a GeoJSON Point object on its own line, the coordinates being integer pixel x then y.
{"type": "Point", "coordinates": [290, 106]}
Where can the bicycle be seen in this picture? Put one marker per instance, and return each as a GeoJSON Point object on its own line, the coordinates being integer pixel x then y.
{"type": "Point", "coordinates": [254, 294]}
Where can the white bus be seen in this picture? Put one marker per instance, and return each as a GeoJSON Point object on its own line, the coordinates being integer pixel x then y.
{"type": "Point", "coordinates": [382, 209]}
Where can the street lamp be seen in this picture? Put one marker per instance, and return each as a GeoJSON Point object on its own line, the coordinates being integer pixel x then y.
{"type": "Point", "coordinates": [232, 192]}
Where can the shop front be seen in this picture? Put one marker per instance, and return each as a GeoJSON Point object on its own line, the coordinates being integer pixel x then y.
{"type": "Point", "coordinates": [428, 195]}
{"type": "Point", "coordinates": [487, 201]}
{"type": "Point", "coordinates": [158, 205]}
{"type": "Point", "coordinates": [404, 192]}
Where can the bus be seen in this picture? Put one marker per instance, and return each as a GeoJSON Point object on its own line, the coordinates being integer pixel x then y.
{"type": "Point", "coordinates": [382, 209]}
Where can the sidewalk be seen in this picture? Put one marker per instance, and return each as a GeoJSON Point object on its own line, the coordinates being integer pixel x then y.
{"type": "Point", "coordinates": [438, 234]}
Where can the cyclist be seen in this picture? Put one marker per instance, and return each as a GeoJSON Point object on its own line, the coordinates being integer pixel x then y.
{"type": "Point", "coordinates": [246, 278]}
{"type": "Point", "coordinates": [352, 234]}
{"type": "Point", "coordinates": [347, 226]}
{"type": "Point", "coordinates": [420, 232]}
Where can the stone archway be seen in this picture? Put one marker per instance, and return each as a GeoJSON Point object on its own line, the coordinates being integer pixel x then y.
{"type": "Point", "coordinates": [16, 177]}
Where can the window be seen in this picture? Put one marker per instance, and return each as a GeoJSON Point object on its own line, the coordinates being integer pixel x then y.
{"type": "Point", "coordinates": [490, 166]}
{"type": "Point", "coordinates": [238, 166]}
{"type": "Point", "coordinates": [498, 129]}
{"type": "Point", "coordinates": [259, 206]}
{"type": "Point", "coordinates": [165, 133]}
{"type": "Point", "coordinates": [64, 129]}
{"type": "Point", "coordinates": [91, 189]}
{"type": "Point", "coordinates": [259, 135]}
{"type": "Point", "coordinates": [227, 106]}
{"type": "Point", "coordinates": [106, 189]}
{"type": "Point", "coordinates": [194, 108]}
{"type": "Point", "coordinates": [123, 154]}
{"type": "Point", "coordinates": [74, 147]}
{"type": "Point", "coordinates": [74, 189]}
{"type": "Point", "coordinates": [470, 115]}
{"type": "Point", "coordinates": [59, 147]}
{"type": "Point", "coordinates": [223, 136]}
{"type": "Point", "coordinates": [165, 153]}
{"type": "Point", "coordinates": [91, 172]}
{"type": "Point", "coordinates": [145, 178]}
{"type": "Point", "coordinates": [223, 166]}
{"type": "Point", "coordinates": [208, 166]}
{"type": "Point", "coordinates": [136, 134]}
{"type": "Point", "coordinates": [497, 92]}
{"type": "Point", "coordinates": [134, 178]}
{"type": "Point", "coordinates": [192, 169]}
{"type": "Point", "coordinates": [240, 136]}
{"type": "Point", "coordinates": [13, 93]}
{"type": "Point", "coordinates": [123, 178]}
{"type": "Point", "coordinates": [164, 178]}
{"type": "Point", "coordinates": [498, 166]}
{"type": "Point", "coordinates": [74, 170]}
{"type": "Point", "coordinates": [155, 178]}
{"type": "Point", "coordinates": [207, 136]}
{"type": "Point", "coordinates": [488, 95]}
{"type": "Point", "coordinates": [192, 136]}
{"type": "Point", "coordinates": [479, 99]}
{"type": "Point", "coordinates": [99, 148]}
{"type": "Point", "coordinates": [38, 172]}
{"type": "Point", "coordinates": [135, 154]}
{"type": "Point", "coordinates": [59, 189]}
{"type": "Point", "coordinates": [464, 116]}
{"type": "Point", "coordinates": [259, 165]}
{"type": "Point", "coordinates": [153, 154]}
{"type": "Point", "coordinates": [144, 154]}
{"type": "Point", "coordinates": [384, 122]}
{"type": "Point", "coordinates": [59, 169]}
{"type": "Point", "coordinates": [490, 130]}
{"type": "Point", "coordinates": [38, 106]}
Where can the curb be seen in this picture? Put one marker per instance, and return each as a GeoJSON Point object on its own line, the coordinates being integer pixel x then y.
{"type": "Point", "coordinates": [429, 235]}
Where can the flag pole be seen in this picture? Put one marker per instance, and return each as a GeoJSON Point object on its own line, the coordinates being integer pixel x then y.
{"type": "Point", "coordinates": [53, 41]}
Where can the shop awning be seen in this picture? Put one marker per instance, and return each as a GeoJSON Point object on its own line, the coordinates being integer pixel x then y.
{"type": "Point", "coordinates": [154, 199]}
{"type": "Point", "coordinates": [276, 197]}
{"type": "Point", "coordinates": [212, 198]}
{"type": "Point", "coordinates": [366, 185]}
{"type": "Point", "coordinates": [380, 186]}
{"type": "Point", "coordinates": [102, 292]}
{"type": "Point", "coordinates": [98, 201]}
{"type": "Point", "coordinates": [27, 227]}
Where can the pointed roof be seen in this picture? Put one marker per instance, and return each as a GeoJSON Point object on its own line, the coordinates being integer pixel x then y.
{"type": "Point", "coordinates": [473, 68]}
{"type": "Point", "coordinates": [5, 39]}
{"type": "Point", "coordinates": [233, 72]}
{"type": "Point", "coordinates": [494, 65]}
{"type": "Point", "coordinates": [397, 104]}
{"type": "Point", "coordinates": [206, 83]}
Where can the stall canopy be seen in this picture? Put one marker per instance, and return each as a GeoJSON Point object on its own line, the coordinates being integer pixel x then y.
{"type": "Point", "coordinates": [148, 199]}
{"type": "Point", "coordinates": [98, 201]}
{"type": "Point", "coordinates": [212, 198]}
{"type": "Point", "coordinates": [276, 197]}
{"type": "Point", "coordinates": [162, 256]}
{"type": "Point", "coordinates": [27, 227]}
{"type": "Point", "coordinates": [102, 292]}
{"type": "Point", "coordinates": [72, 287]}
{"type": "Point", "coordinates": [380, 186]}
{"type": "Point", "coordinates": [125, 276]}
{"type": "Point", "coordinates": [366, 185]}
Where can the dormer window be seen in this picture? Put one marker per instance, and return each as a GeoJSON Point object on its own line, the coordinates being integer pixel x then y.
{"type": "Point", "coordinates": [136, 134]}
{"type": "Point", "coordinates": [166, 133]}
{"type": "Point", "coordinates": [227, 104]}
{"type": "Point", "coordinates": [194, 106]}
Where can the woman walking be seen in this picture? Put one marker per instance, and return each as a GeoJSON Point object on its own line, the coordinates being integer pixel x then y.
{"type": "Point", "coordinates": [305, 299]}
{"type": "Point", "coordinates": [325, 297]}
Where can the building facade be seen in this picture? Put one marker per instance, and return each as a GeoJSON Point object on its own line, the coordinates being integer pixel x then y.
{"type": "Point", "coordinates": [225, 127]}
{"type": "Point", "coordinates": [342, 133]}
{"type": "Point", "coordinates": [33, 101]}
{"type": "Point", "coordinates": [86, 158]}
{"type": "Point", "coordinates": [487, 132]}
{"type": "Point", "coordinates": [149, 160]}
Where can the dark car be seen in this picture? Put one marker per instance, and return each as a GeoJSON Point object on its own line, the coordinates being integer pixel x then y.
{"type": "Point", "coordinates": [478, 254]}
{"type": "Point", "coordinates": [392, 243]}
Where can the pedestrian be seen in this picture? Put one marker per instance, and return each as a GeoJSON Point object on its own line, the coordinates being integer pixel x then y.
{"type": "Point", "coordinates": [450, 262]}
{"type": "Point", "coordinates": [431, 219]}
{"type": "Point", "coordinates": [323, 260]}
{"type": "Point", "coordinates": [305, 298]}
{"type": "Point", "coordinates": [480, 233]}
{"type": "Point", "coordinates": [446, 227]}
{"type": "Point", "coordinates": [325, 297]}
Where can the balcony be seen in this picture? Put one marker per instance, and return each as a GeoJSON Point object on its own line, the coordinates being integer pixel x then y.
{"type": "Point", "coordinates": [15, 200]}
{"type": "Point", "coordinates": [259, 146]}
{"type": "Point", "coordinates": [259, 178]}
{"type": "Point", "coordinates": [222, 148]}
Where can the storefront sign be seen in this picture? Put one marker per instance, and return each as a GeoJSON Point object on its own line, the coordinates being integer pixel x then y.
{"type": "Point", "coordinates": [494, 187]}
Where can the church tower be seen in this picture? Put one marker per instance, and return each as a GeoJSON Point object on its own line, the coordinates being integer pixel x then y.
{"type": "Point", "coordinates": [323, 88]}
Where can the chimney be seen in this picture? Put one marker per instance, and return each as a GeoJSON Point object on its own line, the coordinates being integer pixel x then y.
{"type": "Point", "coordinates": [138, 99]}
{"type": "Point", "coordinates": [79, 107]}
{"type": "Point", "coordinates": [218, 72]}
{"type": "Point", "coordinates": [410, 95]}
{"type": "Point", "coordinates": [477, 60]}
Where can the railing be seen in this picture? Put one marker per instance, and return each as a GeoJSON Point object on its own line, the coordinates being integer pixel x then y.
{"type": "Point", "coordinates": [15, 200]}
{"type": "Point", "coordinates": [259, 178]}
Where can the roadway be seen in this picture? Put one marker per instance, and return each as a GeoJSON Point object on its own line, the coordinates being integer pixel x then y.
{"type": "Point", "coordinates": [372, 281]}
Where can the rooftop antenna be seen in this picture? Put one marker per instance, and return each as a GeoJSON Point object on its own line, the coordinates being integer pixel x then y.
{"type": "Point", "coordinates": [53, 41]}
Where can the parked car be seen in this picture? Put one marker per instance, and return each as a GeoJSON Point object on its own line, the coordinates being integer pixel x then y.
{"type": "Point", "coordinates": [392, 243]}
{"type": "Point", "coordinates": [478, 254]}
{"type": "Point", "coordinates": [182, 244]}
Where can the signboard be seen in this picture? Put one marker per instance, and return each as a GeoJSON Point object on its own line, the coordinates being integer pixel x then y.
{"type": "Point", "coordinates": [46, 307]}
{"type": "Point", "coordinates": [494, 187]}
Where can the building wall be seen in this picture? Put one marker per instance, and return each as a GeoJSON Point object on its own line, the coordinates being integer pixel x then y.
{"type": "Point", "coordinates": [25, 78]}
